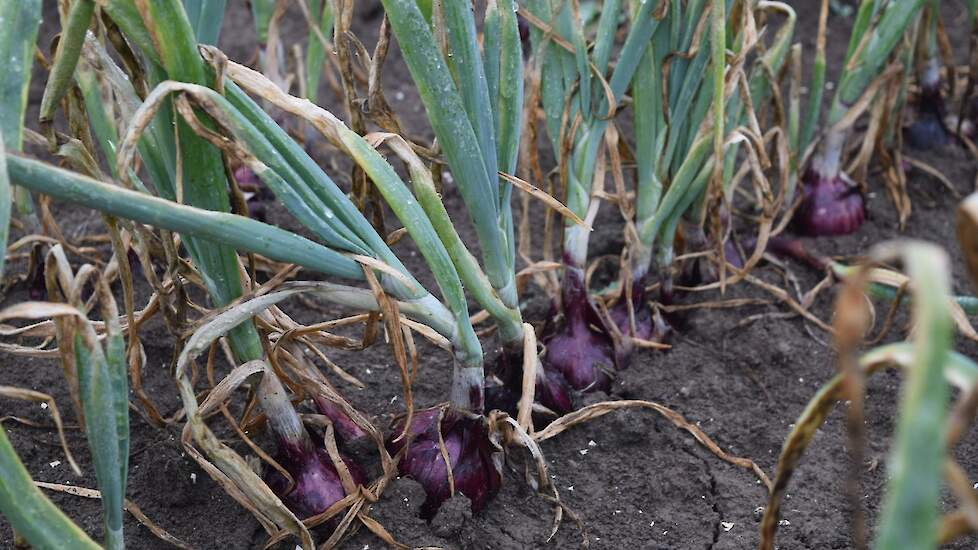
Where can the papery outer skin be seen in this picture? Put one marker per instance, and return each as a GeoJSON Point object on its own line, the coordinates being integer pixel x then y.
{"type": "Point", "coordinates": [732, 255]}
{"type": "Point", "coordinates": [317, 484]}
{"type": "Point", "coordinates": [470, 454]}
{"type": "Point", "coordinates": [830, 206]}
{"type": "Point", "coordinates": [251, 185]}
{"type": "Point", "coordinates": [346, 429]}
{"type": "Point", "coordinates": [583, 356]}
{"type": "Point", "coordinates": [640, 259]}
{"type": "Point", "coordinates": [704, 270]}
{"type": "Point", "coordinates": [641, 312]}
{"type": "Point", "coordinates": [551, 389]}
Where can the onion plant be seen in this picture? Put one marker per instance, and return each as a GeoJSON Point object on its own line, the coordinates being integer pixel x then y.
{"type": "Point", "coordinates": [474, 102]}
{"type": "Point", "coordinates": [677, 103]}
{"type": "Point", "coordinates": [936, 123]}
{"type": "Point", "coordinates": [207, 120]}
{"type": "Point", "coordinates": [580, 92]}
{"type": "Point", "coordinates": [202, 182]}
{"type": "Point", "coordinates": [688, 111]}
{"type": "Point", "coordinates": [180, 116]}
{"type": "Point", "coordinates": [929, 129]}
{"type": "Point", "coordinates": [831, 204]}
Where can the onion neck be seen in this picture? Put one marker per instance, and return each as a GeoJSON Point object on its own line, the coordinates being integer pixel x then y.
{"type": "Point", "coordinates": [283, 420]}
{"type": "Point", "coordinates": [575, 246]}
{"type": "Point", "coordinates": [573, 295]}
{"type": "Point", "coordinates": [468, 387]}
{"type": "Point", "coordinates": [665, 258]}
{"type": "Point", "coordinates": [640, 262]}
{"type": "Point", "coordinates": [828, 163]}
{"type": "Point", "coordinates": [931, 101]}
{"type": "Point", "coordinates": [640, 259]}
{"type": "Point", "coordinates": [930, 80]}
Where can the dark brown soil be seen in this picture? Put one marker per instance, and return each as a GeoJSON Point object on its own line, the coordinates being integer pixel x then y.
{"type": "Point", "coordinates": [634, 480]}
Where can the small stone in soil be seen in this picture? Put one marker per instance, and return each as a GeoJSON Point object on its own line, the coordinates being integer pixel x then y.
{"type": "Point", "coordinates": [451, 517]}
{"type": "Point", "coordinates": [408, 491]}
{"type": "Point", "coordinates": [758, 513]}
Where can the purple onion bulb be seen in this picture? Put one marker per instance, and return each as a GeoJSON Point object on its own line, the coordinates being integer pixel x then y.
{"type": "Point", "coordinates": [475, 470]}
{"type": "Point", "coordinates": [829, 206]}
{"type": "Point", "coordinates": [583, 355]}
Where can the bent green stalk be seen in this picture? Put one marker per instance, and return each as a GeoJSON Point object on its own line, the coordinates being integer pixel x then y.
{"type": "Point", "coordinates": [204, 183]}
{"type": "Point", "coordinates": [30, 512]}
{"type": "Point", "coordinates": [475, 105]}
{"type": "Point", "coordinates": [395, 192]}
{"type": "Point", "coordinates": [232, 230]}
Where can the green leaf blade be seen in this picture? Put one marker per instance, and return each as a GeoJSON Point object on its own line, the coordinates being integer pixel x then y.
{"type": "Point", "coordinates": [30, 512]}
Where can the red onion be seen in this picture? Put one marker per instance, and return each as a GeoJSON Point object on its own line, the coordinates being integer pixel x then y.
{"type": "Point", "coordinates": [476, 471]}
{"type": "Point", "coordinates": [645, 327]}
{"type": "Point", "coordinates": [346, 429]}
{"type": "Point", "coordinates": [829, 206]}
{"type": "Point", "coordinates": [551, 390]}
{"type": "Point", "coordinates": [580, 349]}
{"type": "Point", "coordinates": [255, 193]}
{"type": "Point", "coordinates": [929, 130]}
{"type": "Point", "coordinates": [317, 483]}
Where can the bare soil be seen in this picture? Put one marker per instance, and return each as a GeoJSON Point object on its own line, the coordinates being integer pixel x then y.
{"type": "Point", "coordinates": [632, 478]}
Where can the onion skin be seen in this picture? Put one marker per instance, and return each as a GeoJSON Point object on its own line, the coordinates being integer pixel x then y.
{"type": "Point", "coordinates": [551, 390]}
{"type": "Point", "coordinates": [317, 484]}
{"type": "Point", "coordinates": [929, 130]}
{"type": "Point", "coordinates": [256, 194]}
{"type": "Point", "coordinates": [829, 206]}
{"type": "Point", "coordinates": [346, 429]}
{"type": "Point", "coordinates": [585, 357]}
{"type": "Point", "coordinates": [475, 471]}
{"type": "Point", "coordinates": [644, 325]}
{"type": "Point", "coordinates": [246, 178]}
